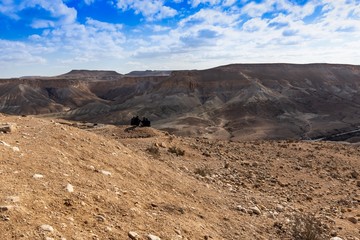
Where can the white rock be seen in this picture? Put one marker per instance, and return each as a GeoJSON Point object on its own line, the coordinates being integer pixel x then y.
{"type": "Point", "coordinates": [105, 173]}
{"type": "Point", "coordinates": [255, 210]}
{"type": "Point", "coordinates": [16, 149]}
{"type": "Point", "coordinates": [241, 208]}
{"type": "Point", "coordinates": [69, 187]}
{"type": "Point", "coordinates": [153, 237]}
{"type": "Point", "coordinates": [4, 144]}
{"type": "Point", "coordinates": [37, 176]}
{"type": "Point", "coordinates": [336, 238]}
{"type": "Point", "coordinates": [47, 228]}
{"type": "Point", "coordinates": [133, 235]}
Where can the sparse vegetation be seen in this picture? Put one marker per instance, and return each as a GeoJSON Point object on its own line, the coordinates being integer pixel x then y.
{"type": "Point", "coordinates": [177, 151]}
{"type": "Point", "coordinates": [153, 150]}
{"type": "Point", "coordinates": [307, 227]}
{"type": "Point", "coordinates": [203, 171]}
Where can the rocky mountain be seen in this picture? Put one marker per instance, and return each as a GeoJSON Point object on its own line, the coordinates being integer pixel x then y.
{"type": "Point", "coordinates": [70, 180]}
{"type": "Point", "coordinates": [238, 102]}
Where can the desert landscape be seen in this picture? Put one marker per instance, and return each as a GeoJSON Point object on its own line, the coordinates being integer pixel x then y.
{"type": "Point", "coordinates": [69, 180]}
{"type": "Point", "coordinates": [234, 152]}
{"type": "Point", "coordinates": [232, 102]}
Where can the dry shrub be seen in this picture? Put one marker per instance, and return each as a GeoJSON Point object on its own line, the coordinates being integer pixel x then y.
{"type": "Point", "coordinates": [153, 150]}
{"type": "Point", "coordinates": [177, 151]}
{"type": "Point", "coordinates": [307, 227]}
{"type": "Point", "coordinates": [203, 171]}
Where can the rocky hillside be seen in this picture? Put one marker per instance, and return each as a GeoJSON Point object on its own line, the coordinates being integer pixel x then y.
{"type": "Point", "coordinates": [68, 180]}
{"type": "Point", "coordinates": [238, 102]}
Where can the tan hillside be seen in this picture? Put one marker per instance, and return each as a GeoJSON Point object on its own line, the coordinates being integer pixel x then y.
{"type": "Point", "coordinates": [64, 180]}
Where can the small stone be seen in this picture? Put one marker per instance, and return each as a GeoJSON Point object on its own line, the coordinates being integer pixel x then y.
{"type": "Point", "coordinates": [4, 208]}
{"type": "Point", "coordinates": [153, 237]}
{"type": "Point", "coordinates": [336, 238]}
{"type": "Point", "coordinates": [47, 228]}
{"type": "Point", "coordinates": [4, 144]}
{"type": "Point", "coordinates": [241, 208]}
{"type": "Point", "coordinates": [206, 154]}
{"type": "Point", "coordinates": [107, 173]}
{"type": "Point", "coordinates": [37, 176]}
{"type": "Point", "coordinates": [7, 127]}
{"type": "Point", "coordinates": [354, 174]}
{"type": "Point", "coordinates": [279, 208]}
{"type": "Point", "coordinates": [16, 149]}
{"type": "Point", "coordinates": [133, 235]}
{"type": "Point", "coordinates": [70, 188]}
{"type": "Point", "coordinates": [353, 220]}
{"type": "Point", "coordinates": [163, 145]}
{"type": "Point", "coordinates": [255, 210]}
{"type": "Point", "coordinates": [100, 218]}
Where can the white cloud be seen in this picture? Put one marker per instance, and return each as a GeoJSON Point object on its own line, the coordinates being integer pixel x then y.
{"type": "Point", "coordinates": [9, 8]}
{"type": "Point", "coordinates": [60, 12]}
{"type": "Point", "coordinates": [89, 2]}
{"type": "Point", "coordinates": [196, 3]}
{"type": "Point", "coordinates": [18, 53]}
{"type": "Point", "coordinates": [286, 37]}
{"type": "Point", "coordinates": [225, 3]}
{"type": "Point", "coordinates": [150, 9]}
{"type": "Point", "coordinates": [210, 17]}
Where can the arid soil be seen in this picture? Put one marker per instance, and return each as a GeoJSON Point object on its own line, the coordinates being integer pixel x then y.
{"type": "Point", "coordinates": [67, 180]}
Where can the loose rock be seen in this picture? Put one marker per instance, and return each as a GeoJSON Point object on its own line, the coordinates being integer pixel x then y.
{"type": "Point", "coordinates": [37, 176]}
{"type": "Point", "coordinates": [279, 208]}
{"type": "Point", "coordinates": [7, 127]}
{"type": "Point", "coordinates": [69, 188]}
{"type": "Point", "coordinates": [107, 173]}
{"type": "Point", "coordinates": [353, 220]}
{"type": "Point", "coordinates": [153, 237]}
{"type": "Point", "coordinates": [241, 208]}
{"type": "Point", "coordinates": [47, 228]}
{"type": "Point", "coordinates": [255, 210]}
{"type": "Point", "coordinates": [4, 208]}
{"type": "Point", "coordinates": [133, 235]}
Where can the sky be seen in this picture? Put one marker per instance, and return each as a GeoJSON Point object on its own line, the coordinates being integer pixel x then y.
{"type": "Point", "coordinates": [52, 37]}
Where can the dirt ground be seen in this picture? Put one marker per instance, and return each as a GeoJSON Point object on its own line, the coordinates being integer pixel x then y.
{"type": "Point", "coordinates": [64, 180]}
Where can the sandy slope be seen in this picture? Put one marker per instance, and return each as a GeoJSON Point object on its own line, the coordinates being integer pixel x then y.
{"type": "Point", "coordinates": [208, 193]}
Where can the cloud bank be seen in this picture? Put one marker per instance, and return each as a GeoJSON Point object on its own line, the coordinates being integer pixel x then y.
{"type": "Point", "coordinates": [50, 37]}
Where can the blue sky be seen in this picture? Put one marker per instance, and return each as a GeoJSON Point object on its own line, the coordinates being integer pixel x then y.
{"type": "Point", "coordinates": [43, 37]}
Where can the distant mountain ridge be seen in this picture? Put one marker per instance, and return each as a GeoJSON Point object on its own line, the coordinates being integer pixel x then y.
{"type": "Point", "coordinates": [148, 73]}
{"type": "Point", "coordinates": [237, 101]}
